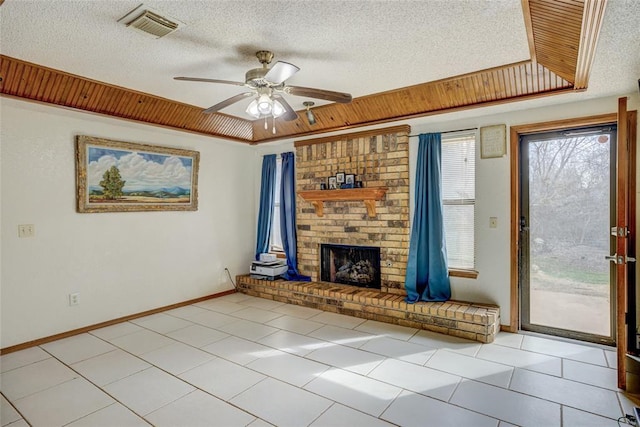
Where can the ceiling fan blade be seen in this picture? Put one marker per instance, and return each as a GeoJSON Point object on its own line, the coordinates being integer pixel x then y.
{"type": "Point", "coordinates": [290, 113]}
{"type": "Point", "coordinates": [328, 95]}
{"type": "Point", "coordinates": [220, 105]}
{"type": "Point", "coordinates": [280, 72]}
{"type": "Point", "coordinates": [197, 79]}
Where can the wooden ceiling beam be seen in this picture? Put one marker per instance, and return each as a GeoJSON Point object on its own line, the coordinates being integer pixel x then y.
{"type": "Point", "coordinates": [467, 91]}
{"type": "Point", "coordinates": [24, 80]}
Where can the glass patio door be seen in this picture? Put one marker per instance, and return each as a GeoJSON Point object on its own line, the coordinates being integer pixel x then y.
{"type": "Point", "coordinates": [567, 187]}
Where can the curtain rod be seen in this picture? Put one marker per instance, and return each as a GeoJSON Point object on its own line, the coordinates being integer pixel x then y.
{"type": "Point", "coordinates": [449, 131]}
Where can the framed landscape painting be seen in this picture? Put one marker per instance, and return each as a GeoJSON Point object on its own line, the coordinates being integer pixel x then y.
{"type": "Point", "coordinates": [116, 176]}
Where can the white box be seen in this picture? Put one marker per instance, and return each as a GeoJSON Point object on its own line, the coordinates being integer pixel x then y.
{"type": "Point", "coordinates": [267, 257]}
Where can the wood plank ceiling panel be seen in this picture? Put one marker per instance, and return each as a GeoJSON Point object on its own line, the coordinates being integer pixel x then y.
{"type": "Point", "coordinates": [563, 34]}
{"type": "Point", "coordinates": [467, 91]}
{"type": "Point", "coordinates": [21, 79]}
{"type": "Point", "coordinates": [556, 33]}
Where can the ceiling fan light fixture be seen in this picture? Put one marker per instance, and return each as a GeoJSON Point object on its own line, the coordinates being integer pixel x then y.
{"type": "Point", "coordinates": [311, 118]}
{"type": "Point", "coordinates": [278, 109]}
{"type": "Point", "coordinates": [252, 109]}
{"type": "Point", "coordinates": [265, 104]}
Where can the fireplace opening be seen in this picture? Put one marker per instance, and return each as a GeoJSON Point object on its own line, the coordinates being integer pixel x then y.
{"type": "Point", "coordinates": [350, 265]}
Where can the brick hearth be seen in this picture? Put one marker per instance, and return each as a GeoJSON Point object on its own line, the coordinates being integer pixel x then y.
{"type": "Point", "coordinates": [477, 322]}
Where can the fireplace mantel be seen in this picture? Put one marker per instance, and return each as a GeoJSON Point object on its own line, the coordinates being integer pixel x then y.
{"type": "Point", "coordinates": [368, 195]}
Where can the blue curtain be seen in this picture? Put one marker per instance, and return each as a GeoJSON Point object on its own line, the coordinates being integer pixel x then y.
{"type": "Point", "coordinates": [267, 196]}
{"type": "Point", "coordinates": [427, 276]}
{"type": "Point", "coordinates": [288, 217]}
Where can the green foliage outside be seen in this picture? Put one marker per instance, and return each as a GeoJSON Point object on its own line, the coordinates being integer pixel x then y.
{"type": "Point", "coordinates": [112, 183]}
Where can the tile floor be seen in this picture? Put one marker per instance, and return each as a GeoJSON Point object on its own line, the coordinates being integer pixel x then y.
{"type": "Point", "coordinates": [245, 361]}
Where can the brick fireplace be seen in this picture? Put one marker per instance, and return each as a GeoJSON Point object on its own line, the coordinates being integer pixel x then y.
{"type": "Point", "coordinates": [381, 160]}
{"type": "Point", "coordinates": [378, 158]}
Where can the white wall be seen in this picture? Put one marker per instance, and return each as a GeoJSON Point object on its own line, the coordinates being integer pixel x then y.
{"type": "Point", "coordinates": [125, 263]}
{"type": "Point", "coordinates": [492, 186]}
{"type": "Point", "coordinates": [120, 263]}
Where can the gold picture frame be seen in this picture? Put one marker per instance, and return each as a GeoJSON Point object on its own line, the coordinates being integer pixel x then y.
{"type": "Point", "coordinates": [493, 141]}
{"type": "Point", "coordinates": [118, 176]}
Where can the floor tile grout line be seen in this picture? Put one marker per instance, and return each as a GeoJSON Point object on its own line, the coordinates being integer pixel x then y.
{"type": "Point", "coordinates": [102, 388]}
{"type": "Point", "coordinates": [28, 364]}
{"type": "Point", "coordinates": [149, 367]}
{"type": "Point", "coordinates": [90, 382]}
{"type": "Point", "coordinates": [15, 409]}
{"type": "Point", "coordinates": [106, 392]}
{"type": "Point", "coordinates": [558, 403]}
{"type": "Point", "coordinates": [46, 388]}
{"type": "Point", "coordinates": [389, 405]}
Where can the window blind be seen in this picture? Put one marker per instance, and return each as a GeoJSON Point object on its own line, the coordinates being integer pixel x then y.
{"type": "Point", "coordinates": [459, 198]}
{"type": "Point", "coordinates": [276, 236]}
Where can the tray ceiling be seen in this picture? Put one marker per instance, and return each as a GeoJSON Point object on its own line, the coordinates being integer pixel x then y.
{"type": "Point", "coordinates": [399, 59]}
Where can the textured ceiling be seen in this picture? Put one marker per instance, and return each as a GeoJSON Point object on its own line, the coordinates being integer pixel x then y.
{"type": "Point", "coordinates": [361, 47]}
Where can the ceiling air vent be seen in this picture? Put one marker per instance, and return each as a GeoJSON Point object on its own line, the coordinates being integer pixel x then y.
{"type": "Point", "coordinates": [153, 24]}
{"type": "Point", "coordinates": [150, 21]}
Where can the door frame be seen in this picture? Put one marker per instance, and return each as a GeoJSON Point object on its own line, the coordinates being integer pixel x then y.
{"type": "Point", "coordinates": [524, 292]}
{"type": "Point", "coordinates": [514, 142]}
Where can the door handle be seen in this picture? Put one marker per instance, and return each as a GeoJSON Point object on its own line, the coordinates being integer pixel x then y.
{"type": "Point", "coordinates": [619, 259]}
{"type": "Point", "coordinates": [615, 259]}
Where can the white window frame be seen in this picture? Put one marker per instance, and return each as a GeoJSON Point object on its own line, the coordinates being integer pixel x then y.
{"type": "Point", "coordinates": [275, 244]}
{"type": "Point", "coordinates": [465, 270]}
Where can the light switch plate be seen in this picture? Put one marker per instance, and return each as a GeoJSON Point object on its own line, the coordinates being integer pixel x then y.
{"type": "Point", "coordinates": [26, 230]}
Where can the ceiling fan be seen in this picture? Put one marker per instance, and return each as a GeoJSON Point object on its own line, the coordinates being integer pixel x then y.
{"type": "Point", "coordinates": [267, 86]}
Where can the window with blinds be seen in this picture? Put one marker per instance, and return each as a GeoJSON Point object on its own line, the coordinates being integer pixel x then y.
{"type": "Point", "coordinates": [275, 243]}
{"type": "Point", "coordinates": [459, 198]}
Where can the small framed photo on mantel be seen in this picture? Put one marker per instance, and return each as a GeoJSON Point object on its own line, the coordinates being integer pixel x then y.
{"type": "Point", "coordinates": [340, 177]}
{"type": "Point", "coordinates": [350, 179]}
{"type": "Point", "coordinates": [493, 141]}
{"type": "Point", "coordinates": [331, 183]}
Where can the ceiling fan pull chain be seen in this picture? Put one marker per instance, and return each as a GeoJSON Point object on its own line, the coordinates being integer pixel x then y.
{"type": "Point", "coordinates": [265, 123]}
{"type": "Point", "coordinates": [274, 125]}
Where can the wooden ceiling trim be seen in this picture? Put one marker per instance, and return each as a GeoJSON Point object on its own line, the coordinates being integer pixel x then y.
{"type": "Point", "coordinates": [590, 32]}
{"type": "Point", "coordinates": [36, 79]}
{"type": "Point", "coordinates": [154, 109]}
{"type": "Point", "coordinates": [43, 85]}
{"type": "Point", "coordinates": [525, 97]}
{"type": "Point", "coordinates": [528, 25]}
{"type": "Point", "coordinates": [34, 82]}
{"type": "Point", "coordinates": [92, 101]}
{"type": "Point", "coordinates": [467, 91]}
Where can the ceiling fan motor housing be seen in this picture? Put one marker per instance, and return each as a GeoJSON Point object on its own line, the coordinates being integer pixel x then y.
{"type": "Point", "coordinates": [255, 78]}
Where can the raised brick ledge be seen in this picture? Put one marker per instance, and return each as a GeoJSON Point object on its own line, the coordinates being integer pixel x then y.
{"type": "Point", "coordinates": [479, 322]}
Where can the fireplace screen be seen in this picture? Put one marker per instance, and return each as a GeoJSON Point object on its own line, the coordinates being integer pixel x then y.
{"type": "Point", "coordinates": [350, 265]}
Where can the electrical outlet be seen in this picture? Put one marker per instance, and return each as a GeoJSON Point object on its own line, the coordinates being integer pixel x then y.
{"type": "Point", "coordinates": [74, 298]}
{"type": "Point", "coordinates": [26, 230]}
{"type": "Point", "coordinates": [222, 276]}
